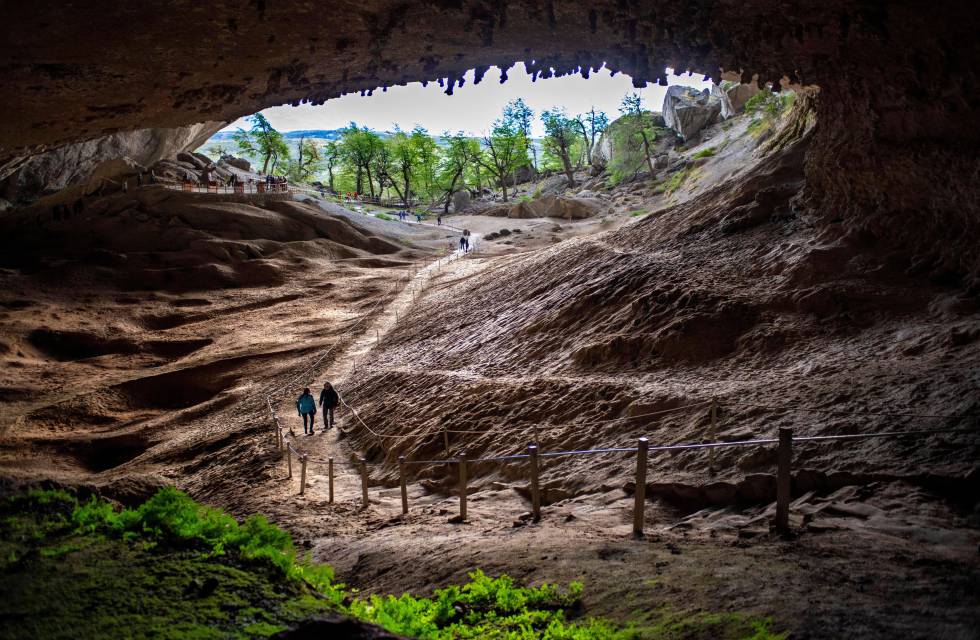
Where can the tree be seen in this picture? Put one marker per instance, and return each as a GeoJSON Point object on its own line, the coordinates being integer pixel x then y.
{"type": "Point", "coordinates": [519, 116]}
{"type": "Point", "coordinates": [331, 158]}
{"type": "Point", "coordinates": [505, 151]}
{"type": "Point", "coordinates": [358, 148]}
{"type": "Point", "coordinates": [460, 152]}
{"type": "Point", "coordinates": [632, 110]}
{"type": "Point", "coordinates": [591, 124]}
{"type": "Point", "coordinates": [309, 161]}
{"type": "Point", "coordinates": [262, 141]}
{"type": "Point", "coordinates": [560, 135]}
{"type": "Point", "coordinates": [427, 158]}
{"type": "Point", "coordinates": [397, 160]}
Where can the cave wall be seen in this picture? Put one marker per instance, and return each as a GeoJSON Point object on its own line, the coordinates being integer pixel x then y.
{"type": "Point", "coordinates": [893, 157]}
{"type": "Point", "coordinates": [32, 175]}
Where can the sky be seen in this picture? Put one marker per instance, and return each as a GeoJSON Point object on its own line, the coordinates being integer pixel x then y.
{"type": "Point", "coordinates": [472, 107]}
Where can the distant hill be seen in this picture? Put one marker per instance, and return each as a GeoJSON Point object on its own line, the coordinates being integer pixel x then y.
{"type": "Point", "coordinates": [320, 134]}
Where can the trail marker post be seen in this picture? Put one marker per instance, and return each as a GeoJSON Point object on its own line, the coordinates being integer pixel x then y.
{"type": "Point", "coordinates": [401, 481]}
{"type": "Point", "coordinates": [640, 493]}
{"type": "Point", "coordinates": [784, 457]}
{"type": "Point", "coordinates": [364, 483]}
{"type": "Point", "coordinates": [462, 485]}
{"type": "Point", "coordinates": [532, 450]}
{"type": "Point", "coordinates": [713, 434]}
{"type": "Point", "coordinates": [302, 474]}
{"type": "Point", "coordinates": [289, 461]}
{"type": "Point", "coordinates": [330, 479]}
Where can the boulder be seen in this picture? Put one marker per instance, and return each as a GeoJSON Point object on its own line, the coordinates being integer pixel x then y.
{"type": "Point", "coordinates": [194, 159]}
{"type": "Point", "coordinates": [740, 94]}
{"type": "Point", "coordinates": [570, 208]}
{"type": "Point", "coordinates": [461, 201]}
{"type": "Point", "coordinates": [238, 163]}
{"type": "Point", "coordinates": [687, 111]}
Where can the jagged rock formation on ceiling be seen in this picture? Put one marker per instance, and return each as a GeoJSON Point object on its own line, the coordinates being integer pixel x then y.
{"type": "Point", "coordinates": [71, 164]}
{"type": "Point", "coordinates": [889, 157]}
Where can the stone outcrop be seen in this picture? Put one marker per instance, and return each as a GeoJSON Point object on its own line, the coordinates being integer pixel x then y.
{"type": "Point", "coordinates": [74, 164]}
{"type": "Point", "coordinates": [688, 110]}
{"type": "Point", "coordinates": [566, 207]}
{"type": "Point", "coordinates": [461, 201]}
{"type": "Point", "coordinates": [612, 146]}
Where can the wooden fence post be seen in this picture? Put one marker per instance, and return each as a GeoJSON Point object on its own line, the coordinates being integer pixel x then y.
{"type": "Point", "coordinates": [713, 434]}
{"type": "Point", "coordinates": [401, 478]}
{"type": "Point", "coordinates": [640, 493]}
{"type": "Point", "coordinates": [445, 439]}
{"type": "Point", "coordinates": [330, 478]}
{"type": "Point", "coordinates": [532, 450]}
{"type": "Point", "coordinates": [364, 483]}
{"type": "Point", "coordinates": [279, 440]}
{"type": "Point", "coordinates": [302, 474]}
{"type": "Point", "coordinates": [783, 479]}
{"type": "Point", "coordinates": [289, 460]}
{"type": "Point", "coordinates": [462, 485]}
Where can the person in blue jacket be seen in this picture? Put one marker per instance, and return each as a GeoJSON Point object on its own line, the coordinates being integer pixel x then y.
{"type": "Point", "coordinates": [306, 406]}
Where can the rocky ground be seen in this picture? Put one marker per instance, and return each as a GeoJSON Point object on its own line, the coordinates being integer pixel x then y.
{"type": "Point", "coordinates": [142, 335]}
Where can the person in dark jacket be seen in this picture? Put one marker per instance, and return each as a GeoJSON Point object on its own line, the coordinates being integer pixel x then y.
{"type": "Point", "coordinates": [329, 400]}
{"type": "Point", "coordinates": [306, 406]}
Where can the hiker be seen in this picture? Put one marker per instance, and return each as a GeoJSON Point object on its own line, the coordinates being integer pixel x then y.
{"type": "Point", "coordinates": [466, 236]}
{"type": "Point", "coordinates": [462, 243]}
{"type": "Point", "coordinates": [418, 217]}
{"type": "Point", "coordinates": [439, 220]}
{"type": "Point", "coordinates": [329, 399]}
{"type": "Point", "coordinates": [306, 407]}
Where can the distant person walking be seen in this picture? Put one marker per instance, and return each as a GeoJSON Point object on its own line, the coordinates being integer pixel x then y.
{"type": "Point", "coordinates": [462, 243]}
{"type": "Point", "coordinates": [439, 220]}
{"type": "Point", "coordinates": [329, 400]}
{"type": "Point", "coordinates": [306, 406]}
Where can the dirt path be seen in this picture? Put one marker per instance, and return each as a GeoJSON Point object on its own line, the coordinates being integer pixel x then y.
{"type": "Point", "coordinates": [357, 354]}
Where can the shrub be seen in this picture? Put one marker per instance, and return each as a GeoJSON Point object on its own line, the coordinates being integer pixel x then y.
{"type": "Point", "coordinates": [383, 216]}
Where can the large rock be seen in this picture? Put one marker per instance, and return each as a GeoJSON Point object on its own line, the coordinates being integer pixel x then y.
{"type": "Point", "coordinates": [74, 164]}
{"type": "Point", "coordinates": [569, 208]}
{"type": "Point", "coordinates": [615, 151]}
{"type": "Point", "coordinates": [688, 110]}
{"type": "Point", "coordinates": [742, 93]}
{"type": "Point", "coordinates": [461, 201]}
{"type": "Point", "coordinates": [238, 163]}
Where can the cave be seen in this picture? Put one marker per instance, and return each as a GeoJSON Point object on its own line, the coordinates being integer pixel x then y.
{"type": "Point", "coordinates": [893, 159]}
{"type": "Point", "coordinates": [877, 187]}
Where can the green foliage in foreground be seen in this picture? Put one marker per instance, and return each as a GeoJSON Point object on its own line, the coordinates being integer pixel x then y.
{"type": "Point", "coordinates": [173, 568]}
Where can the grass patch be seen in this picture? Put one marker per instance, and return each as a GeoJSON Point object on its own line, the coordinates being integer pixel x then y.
{"type": "Point", "coordinates": [383, 216]}
{"type": "Point", "coordinates": [638, 212]}
{"type": "Point", "coordinates": [706, 153]}
{"type": "Point", "coordinates": [669, 185]}
{"type": "Point", "coordinates": [173, 568]}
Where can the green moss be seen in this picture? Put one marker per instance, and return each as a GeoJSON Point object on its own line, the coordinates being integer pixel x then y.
{"type": "Point", "coordinates": [638, 212]}
{"type": "Point", "coordinates": [173, 568]}
{"type": "Point", "coordinates": [706, 153]}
